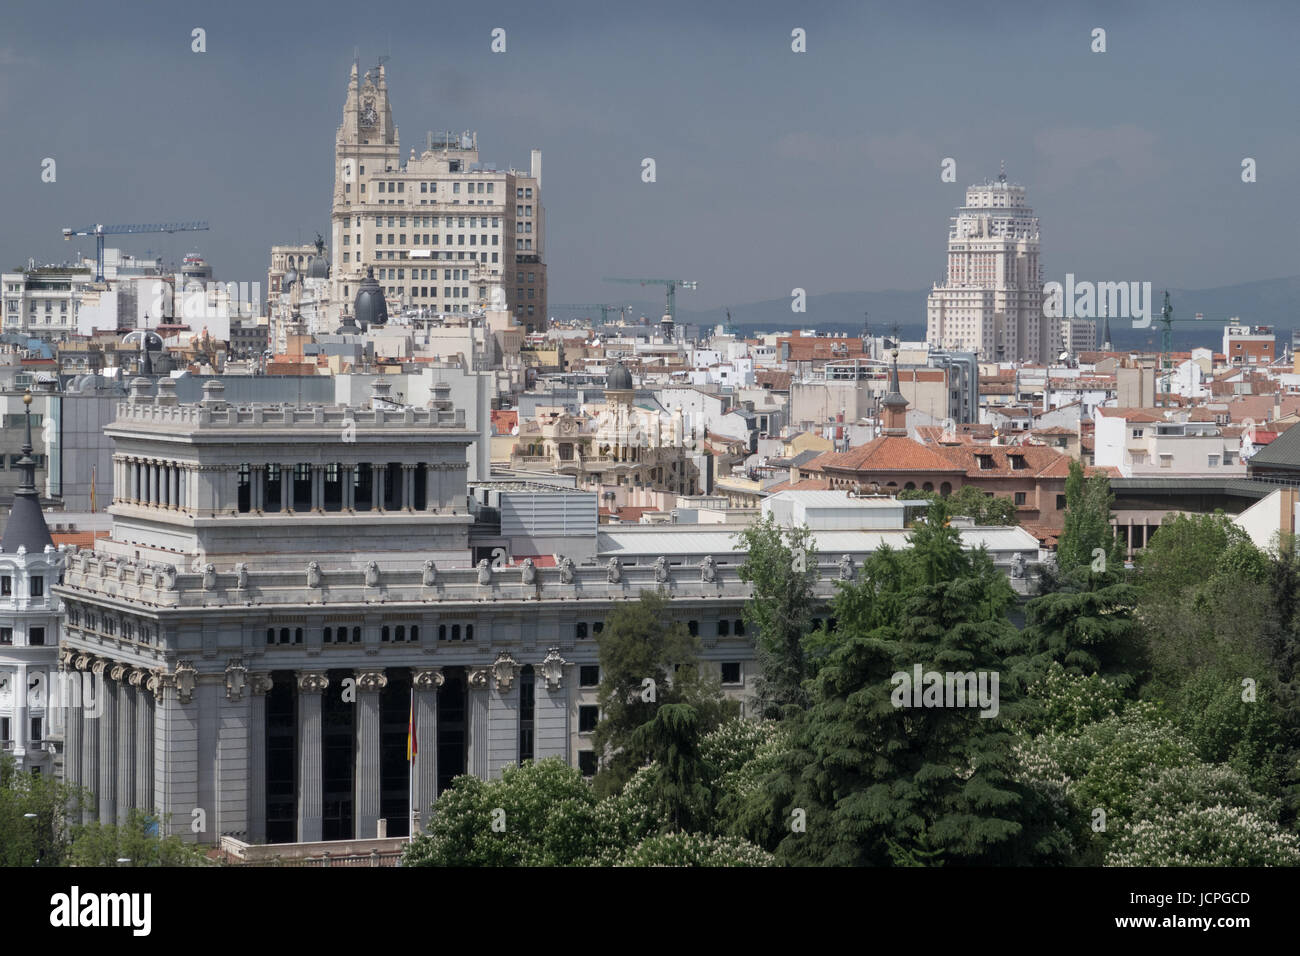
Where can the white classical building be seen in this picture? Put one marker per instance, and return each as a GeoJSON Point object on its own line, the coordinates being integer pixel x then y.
{"type": "Point", "coordinates": [30, 566]}
{"type": "Point", "coordinates": [991, 302]}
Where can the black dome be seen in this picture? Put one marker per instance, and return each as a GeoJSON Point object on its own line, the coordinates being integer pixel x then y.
{"type": "Point", "coordinates": [619, 378]}
{"type": "Point", "coordinates": [318, 267]}
{"type": "Point", "coordinates": [369, 306]}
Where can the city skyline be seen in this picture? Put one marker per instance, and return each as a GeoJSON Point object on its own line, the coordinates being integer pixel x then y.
{"type": "Point", "coordinates": [744, 131]}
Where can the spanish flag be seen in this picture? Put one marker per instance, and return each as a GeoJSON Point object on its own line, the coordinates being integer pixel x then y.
{"type": "Point", "coordinates": [412, 745]}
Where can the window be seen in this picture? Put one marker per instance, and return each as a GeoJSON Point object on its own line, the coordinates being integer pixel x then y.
{"type": "Point", "coordinates": [587, 762]}
{"type": "Point", "coordinates": [4, 728]}
{"type": "Point", "coordinates": [6, 635]}
{"type": "Point", "coordinates": [693, 627]}
{"type": "Point", "coordinates": [731, 672]}
{"type": "Point", "coordinates": [1212, 461]}
{"type": "Point", "coordinates": [1166, 461]}
{"type": "Point", "coordinates": [588, 718]}
{"type": "Point", "coordinates": [1137, 433]}
{"type": "Point", "coordinates": [36, 637]}
{"type": "Point", "coordinates": [724, 628]}
{"type": "Point", "coordinates": [1060, 502]}
{"type": "Point", "coordinates": [1228, 458]}
{"type": "Point", "coordinates": [6, 585]}
{"type": "Point", "coordinates": [37, 727]}
{"type": "Point", "coordinates": [37, 586]}
{"type": "Point", "coordinates": [589, 675]}
{"type": "Point", "coordinates": [580, 630]}
{"type": "Point", "coordinates": [1020, 497]}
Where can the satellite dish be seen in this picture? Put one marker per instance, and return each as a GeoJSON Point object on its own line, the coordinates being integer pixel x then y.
{"type": "Point", "coordinates": [1063, 356]}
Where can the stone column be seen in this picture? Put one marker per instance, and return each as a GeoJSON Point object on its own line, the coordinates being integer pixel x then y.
{"type": "Point", "coordinates": [503, 715]}
{"type": "Point", "coordinates": [366, 778]}
{"type": "Point", "coordinates": [377, 480]}
{"type": "Point", "coordinates": [107, 745]}
{"type": "Point", "coordinates": [551, 699]}
{"type": "Point", "coordinates": [477, 691]}
{"type": "Point", "coordinates": [349, 487]}
{"type": "Point", "coordinates": [126, 753]}
{"type": "Point", "coordinates": [430, 493]}
{"type": "Point", "coordinates": [426, 683]}
{"type": "Point", "coordinates": [92, 704]}
{"type": "Point", "coordinates": [143, 741]}
{"type": "Point", "coordinates": [259, 686]}
{"type": "Point", "coordinates": [408, 487]}
{"type": "Point", "coordinates": [148, 484]}
{"type": "Point", "coordinates": [174, 488]}
{"type": "Point", "coordinates": [286, 488]}
{"type": "Point", "coordinates": [257, 487]}
{"type": "Point", "coordinates": [311, 684]}
{"type": "Point", "coordinates": [71, 703]}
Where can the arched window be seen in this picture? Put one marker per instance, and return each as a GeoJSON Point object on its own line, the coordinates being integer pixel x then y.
{"type": "Point", "coordinates": [297, 635]}
{"type": "Point", "coordinates": [928, 486]}
{"type": "Point", "coordinates": [469, 632]}
{"type": "Point", "coordinates": [910, 486]}
{"type": "Point", "coordinates": [945, 489]}
{"type": "Point", "coordinates": [284, 635]}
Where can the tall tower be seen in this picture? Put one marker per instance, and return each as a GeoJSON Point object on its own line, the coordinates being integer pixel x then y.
{"type": "Point", "coordinates": [367, 145]}
{"type": "Point", "coordinates": [992, 299]}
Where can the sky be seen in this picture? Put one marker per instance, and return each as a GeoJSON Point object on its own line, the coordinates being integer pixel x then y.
{"type": "Point", "coordinates": [774, 169]}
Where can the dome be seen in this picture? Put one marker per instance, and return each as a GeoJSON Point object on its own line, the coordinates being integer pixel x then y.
{"type": "Point", "coordinates": [619, 378]}
{"type": "Point", "coordinates": [318, 267]}
{"type": "Point", "coordinates": [369, 306]}
{"type": "Point", "coordinates": [290, 278]}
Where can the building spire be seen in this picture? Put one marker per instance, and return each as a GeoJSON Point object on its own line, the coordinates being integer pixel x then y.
{"type": "Point", "coordinates": [26, 527]}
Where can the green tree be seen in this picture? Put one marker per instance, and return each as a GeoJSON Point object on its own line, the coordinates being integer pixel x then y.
{"type": "Point", "coordinates": [679, 791]}
{"type": "Point", "coordinates": [647, 660]}
{"type": "Point", "coordinates": [135, 841]}
{"type": "Point", "coordinates": [1087, 534]}
{"type": "Point", "coordinates": [970, 502]}
{"type": "Point", "coordinates": [781, 565]}
{"type": "Point", "coordinates": [34, 814]}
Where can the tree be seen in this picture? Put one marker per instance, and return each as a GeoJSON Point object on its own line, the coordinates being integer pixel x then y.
{"type": "Point", "coordinates": [880, 782]}
{"type": "Point", "coordinates": [647, 660]}
{"type": "Point", "coordinates": [781, 564]}
{"type": "Point", "coordinates": [969, 501]}
{"type": "Point", "coordinates": [43, 837]}
{"type": "Point", "coordinates": [1087, 534]}
{"type": "Point", "coordinates": [136, 841]}
{"type": "Point", "coordinates": [679, 791]}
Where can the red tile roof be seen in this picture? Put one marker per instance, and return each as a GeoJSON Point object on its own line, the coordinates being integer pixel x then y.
{"type": "Point", "coordinates": [886, 453]}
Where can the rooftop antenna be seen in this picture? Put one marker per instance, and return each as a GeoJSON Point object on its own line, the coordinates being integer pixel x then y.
{"type": "Point", "coordinates": [1002, 174]}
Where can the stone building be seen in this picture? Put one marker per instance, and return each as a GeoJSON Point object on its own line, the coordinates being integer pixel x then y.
{"type": "Point", "coordinates": [407, 218]}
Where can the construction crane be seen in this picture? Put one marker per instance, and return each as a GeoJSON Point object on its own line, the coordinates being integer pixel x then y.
{"type": "Point", "coordinates": [672, 284]}
{"type": "Point", "coordinates": [1167, 321]}
{"type": "Point", "coordinates": [100, 231]}
{"type": "Point", "coordinates": [605, 310]}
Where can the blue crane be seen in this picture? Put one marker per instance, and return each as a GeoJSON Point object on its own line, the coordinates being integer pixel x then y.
{"type": "Point", "coordinates": [100, 231]}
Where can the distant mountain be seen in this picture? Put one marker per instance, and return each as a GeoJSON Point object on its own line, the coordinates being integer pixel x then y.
{"type": "Point", "coordinates": [1274, 302]}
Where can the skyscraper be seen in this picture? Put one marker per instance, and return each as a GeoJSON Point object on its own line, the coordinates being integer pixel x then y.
{"type": "Point", "coordinates": [408, 218]}
{"type": "Point", "coordinates": [992, 299]}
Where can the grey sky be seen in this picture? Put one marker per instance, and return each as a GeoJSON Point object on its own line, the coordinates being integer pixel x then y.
{"type": "Point", "coordinates": [775, 169]}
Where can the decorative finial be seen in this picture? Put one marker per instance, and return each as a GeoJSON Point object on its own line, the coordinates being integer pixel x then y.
{"type": "Point", "coordinates": [1002, 174]}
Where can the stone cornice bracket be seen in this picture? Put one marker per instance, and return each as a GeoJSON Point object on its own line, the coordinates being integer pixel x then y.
{"type": "Point", "coordinates": [184, 679]}
{"type": "Point", "coordinates": [259, 685]}
{"type": "Point", "coordinates": [157, 683]}
{"type": "Point", "coordinates": [236, 678]}
{"type": "Point", "coordinates": [371, 682]}
{"type": "Point", "coordinates": [312, 682]}
{"type": "Point", "coordinates": [477, 679]}
{"type": "Point", "coordinates": [552, 668]}
{"type": "Point", "coordinates": [504, 671]}
{"type": "Point", "coordinates": [430, 678]}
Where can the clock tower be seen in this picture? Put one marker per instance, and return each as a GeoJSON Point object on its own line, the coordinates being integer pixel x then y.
{"type": "Point", "coordinates": [367, 145]}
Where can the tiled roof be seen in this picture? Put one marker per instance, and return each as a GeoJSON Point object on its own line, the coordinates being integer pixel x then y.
{"type": "Point", "coordinates": [887, 453]}
{"type": "Point", "coordinates": [803, 484]}
{"type": "Point", "coordinates": [1128, 414]}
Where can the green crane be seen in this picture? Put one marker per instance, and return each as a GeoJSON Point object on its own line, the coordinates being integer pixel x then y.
{"type": "Point", "coordinates": [672, 284]}
{"type": "Point", "coordinates": [1167, 321]}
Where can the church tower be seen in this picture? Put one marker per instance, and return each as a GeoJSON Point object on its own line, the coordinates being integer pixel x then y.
{"type": "Point", "coordinates": [893, 407]}
{"type": "Point", "coordinates": [367, 146]}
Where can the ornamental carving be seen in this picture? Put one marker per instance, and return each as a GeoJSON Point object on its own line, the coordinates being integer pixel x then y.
{"type": "Point", "coordinates": [259, 685]}
{"type": "Point", "coordinates": [138, 677]}
{"type": "Point", "coordinates": [428, 679]}
{"type": "Point", "coordinates": [372, 574]}
{"type": "Point", "coordinates": [185, 679]}
{"type": "Point", "coordinates": [241, 576]}
{"type": "Point", "coordinates": [236, 678]}
{"type": "Point", "coordinates": [528, 571]}
{"type": "Point", "coordinates": [371, 682]}
{"type": "Point", "coordinates": [168, 578]}
{"type": "Point", "coordinates": [552, 669]}
{"type": "Point", "coordinates": [708, 570]}
{"type": "Point", "coordinates": [504, 670]}
{"type": "Point", "coordinates": [97, 668]}
{"type": "Point", "coordinates": [614, 571]}
{"type": "Point", "coordinates": [209, 577]}
{"type": "Point", "coordinates": [566, 569]}
{"type": "Point", "coordinates": [477, 679]}
{"type": "Point", "coordinates": [118, 672]}
{"type": "Point", "coordinates": [156, 685]}
{"type": "Point", "coordinates": [847, 571]}
{"type": "Point", "coordinates": [83, 662]}
{"type": "Point", "coordinates": [661, 569]}
{"type": "Point", "coordinates": [137, 575]}
{"type": "Point", "coordinates": [484, 572]}
{"type": "Point", "coordinates": [313, 575]}
{"type": "Point", "coordinates": [312, 682]}
{"type": "Point", "coordinates": [430, 575]}
{"type": "Point", "coordinates": [83, 562]}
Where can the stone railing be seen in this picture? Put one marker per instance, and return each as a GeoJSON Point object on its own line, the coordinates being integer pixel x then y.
{"type": "Point", "coordinates": [287, 416]}
{"type": "Point", "coordinates": [166, 586]}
